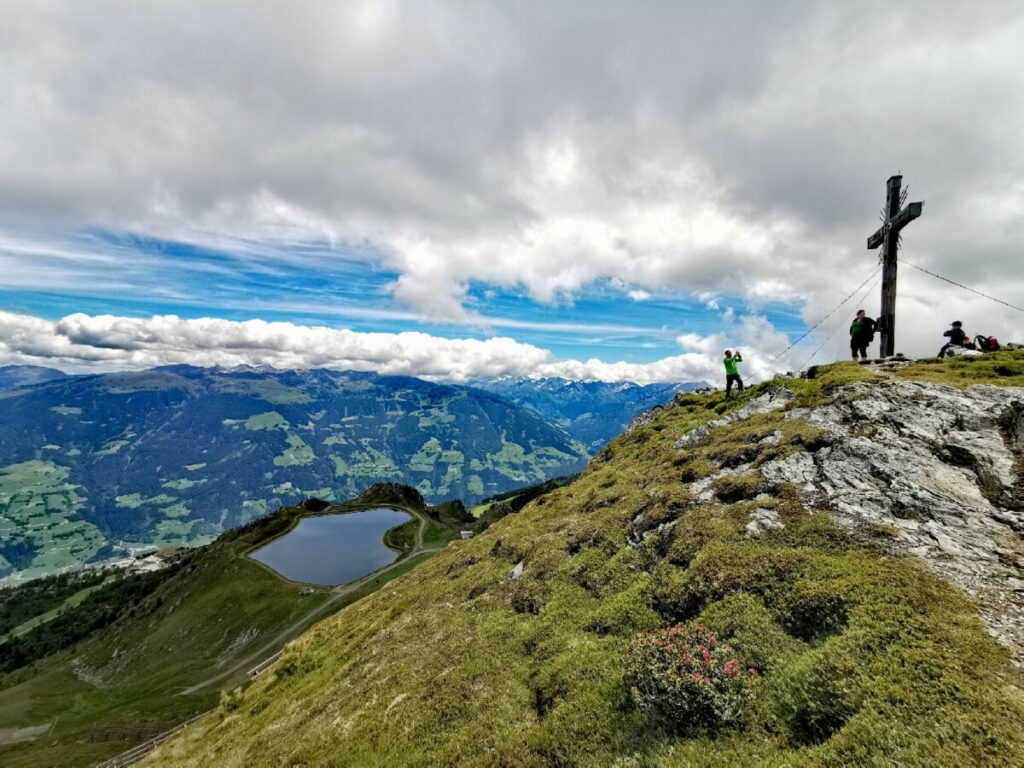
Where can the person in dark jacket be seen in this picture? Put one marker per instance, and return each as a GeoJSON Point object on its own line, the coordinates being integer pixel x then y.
{"type": "Point", "coordinates": [957, 338]}
{"type": "Point", "coordinates": [862, 333]}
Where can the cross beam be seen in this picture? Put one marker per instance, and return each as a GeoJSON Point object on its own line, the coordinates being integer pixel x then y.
{"type": "Point", "coordinates": [888, 237]}
{"type": "Point", "coordinates": [904, 217]}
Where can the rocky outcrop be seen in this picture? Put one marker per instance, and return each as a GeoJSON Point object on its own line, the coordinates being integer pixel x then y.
{"type": "Point", "coordinates": [762, 520]}
{"type": "Point", "coordinates": [646, 417]}
{"type": "Point", "coordinates": [937, 471]}
{"type": "Point", "coordinates": [769, 401]}
{"type": "Point", "coordinates": [936, 468]}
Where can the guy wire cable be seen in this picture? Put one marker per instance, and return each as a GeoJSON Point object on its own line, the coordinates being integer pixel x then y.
{"type": "Point", "coordinates": [961, 285]}
{"type": "Point", "coordinates": [875, 270]}
{"type": "Point", "coordinates": [834, 330]}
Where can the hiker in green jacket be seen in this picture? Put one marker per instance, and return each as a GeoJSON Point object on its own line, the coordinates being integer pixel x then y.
{"type": "Point", "coordinates": [732, 376]}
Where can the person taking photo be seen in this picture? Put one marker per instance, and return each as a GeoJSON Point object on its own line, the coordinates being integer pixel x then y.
{"type": "Point", "coordinates": [732, 374]}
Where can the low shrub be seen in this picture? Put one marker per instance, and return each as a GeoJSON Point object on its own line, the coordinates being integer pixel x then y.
{"type": "Point", "coordinates": [704, 526]}
{"type": "Point", "coordinates": [623, 613]}
{"type": "Point", "coordinates": [732, 489]}
{"type": "Point", "coordinates": [723, 567]}
{"type": "Point", "coordinates": [816, 694]}
{"type": "Point", "coordinates": [687, 677]}
{"type": "Point", "coordinates": [815, 607]}
{"type": "Point", "coordinates": [230, 701]}
{"type": "Point", "coordinates": [744, 622]}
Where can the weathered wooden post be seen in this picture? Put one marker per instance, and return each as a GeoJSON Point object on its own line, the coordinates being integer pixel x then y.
{"type": "Point", "coordinates": [888, 236]}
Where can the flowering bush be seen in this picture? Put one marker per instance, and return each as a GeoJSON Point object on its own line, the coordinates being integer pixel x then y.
{"type": "Point", "coordinates": [686, 676]}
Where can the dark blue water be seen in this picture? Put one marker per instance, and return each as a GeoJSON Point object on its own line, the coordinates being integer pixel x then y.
{"type": "Point", "coordinates": [334, 549]}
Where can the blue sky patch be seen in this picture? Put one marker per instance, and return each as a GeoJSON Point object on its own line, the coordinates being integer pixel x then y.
{"type": "Point", "coordinates": [97, 272]}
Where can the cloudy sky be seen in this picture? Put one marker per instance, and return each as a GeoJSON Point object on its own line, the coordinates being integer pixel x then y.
{"type": "Point", "coordinates": [460, 189]}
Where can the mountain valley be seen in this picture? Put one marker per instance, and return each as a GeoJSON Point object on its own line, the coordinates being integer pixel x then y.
{"type": "Point", "coordinates": [101, 466]}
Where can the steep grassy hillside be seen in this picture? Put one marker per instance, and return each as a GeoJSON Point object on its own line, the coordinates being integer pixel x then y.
{"type": "Point", "coordinates": [166, 658]}
{"type": "Point", "coordinates": [500, 505]}
{"type": "Point", "coordinates": [507, 649]}
{"type": "Point", "coordinates": [94, 466]}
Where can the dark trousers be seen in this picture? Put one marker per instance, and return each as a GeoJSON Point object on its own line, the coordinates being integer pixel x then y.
{"type": "Point", "coordinates": [950, 345]}
{"type": "Point", "coordinates": [730, 379]}
{"type": "Point", "coordinates": [967, 344]}
{"type": "Point", "coordinates": [859, 346]}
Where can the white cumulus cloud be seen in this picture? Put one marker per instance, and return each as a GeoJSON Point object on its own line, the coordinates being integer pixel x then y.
{"type": "Point", "coordinates": [734, 149]}
{"type": "Point", "coordinates": [82, 342]}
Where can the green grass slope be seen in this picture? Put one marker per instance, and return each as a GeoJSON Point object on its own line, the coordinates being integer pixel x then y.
{"type": "Point", "coordinates": [132, 673]}
{"type": "Point", "coordinates": [168, 657]}
{"type": "Point", "coordinates": [864, 659]}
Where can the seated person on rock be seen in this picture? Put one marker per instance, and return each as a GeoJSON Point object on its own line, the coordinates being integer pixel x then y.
{"type": "Point", "coordinates": [957, 338]}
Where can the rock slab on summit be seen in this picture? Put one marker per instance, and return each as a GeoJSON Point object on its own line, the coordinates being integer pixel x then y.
{"type": "Point", "coordinates": [769, 401]}
{"type": "Point", "coordinates": [938, 467]}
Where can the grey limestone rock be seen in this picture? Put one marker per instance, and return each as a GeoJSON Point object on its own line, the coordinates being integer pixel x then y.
{"type": "Point", "coordinates": [762, 520]}
{"type": "Point", "coordinates": [769, 401]}
{"type": "Point", "coordinates": [939, 467]}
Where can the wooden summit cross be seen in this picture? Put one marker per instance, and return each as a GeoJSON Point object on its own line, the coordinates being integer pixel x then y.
{"type": "Point", "coordinates": [888, 236]}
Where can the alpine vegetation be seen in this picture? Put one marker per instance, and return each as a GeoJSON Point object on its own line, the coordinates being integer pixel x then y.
{"type": "Point", "coordinates": [685, 676]}
{"type": "Point", "coordinates": [828, 610]}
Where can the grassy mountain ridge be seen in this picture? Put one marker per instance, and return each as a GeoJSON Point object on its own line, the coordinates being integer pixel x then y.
{"type": "Point", "coordinates": [165, 657]}
{"type": "Point", "coordinates": [25, 375]}
{"type": "Point", "coordinates": [505, 650]}
{"type": "Point", "coordinates": [92, 465]}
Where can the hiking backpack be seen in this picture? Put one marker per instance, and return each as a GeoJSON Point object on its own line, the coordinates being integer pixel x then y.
{"type": "Point", "coordinates": [987, 343]}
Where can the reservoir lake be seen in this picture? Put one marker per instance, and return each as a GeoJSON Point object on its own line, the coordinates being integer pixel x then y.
{"type": "Point", "coordinates": [333, 549]}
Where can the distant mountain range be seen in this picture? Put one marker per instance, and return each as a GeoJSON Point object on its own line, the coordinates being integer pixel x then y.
{"type": "Point", "coordinates": [93, 465]}
{"type": "Point", "coordinates": [591, 411]}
